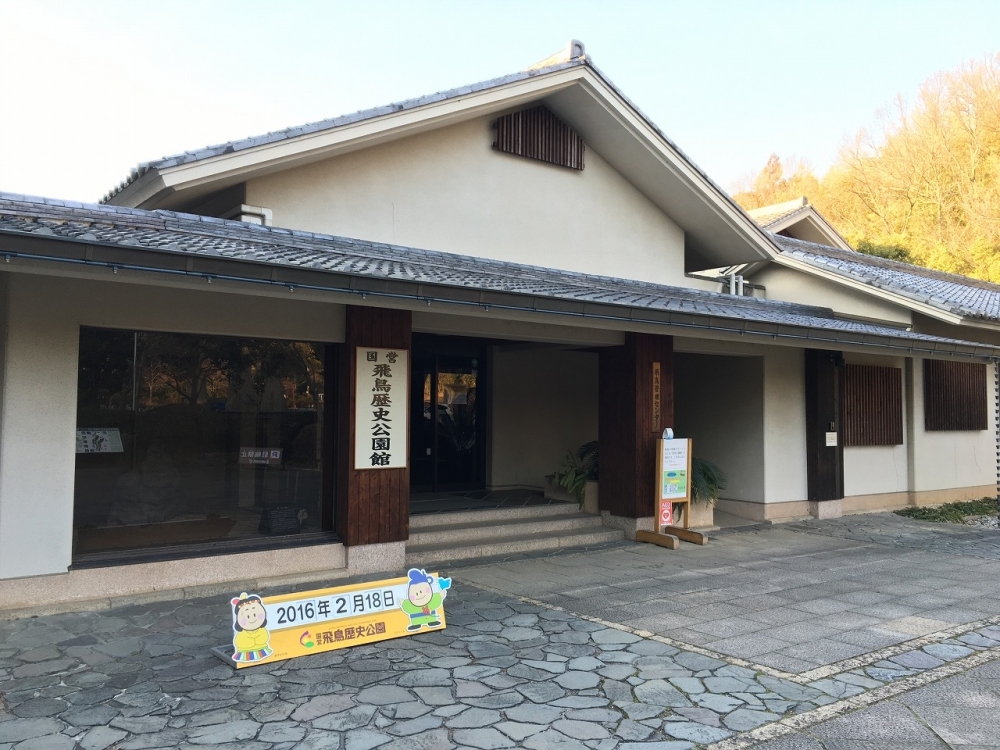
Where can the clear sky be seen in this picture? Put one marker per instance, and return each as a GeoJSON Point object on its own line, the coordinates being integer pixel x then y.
{"type": "Point", "coordinates": [90, 89]}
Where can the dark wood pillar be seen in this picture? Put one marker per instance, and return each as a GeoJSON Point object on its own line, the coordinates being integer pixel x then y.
{"type": "Point", "coordinates": [373, 505]}
{"type": "Point", "coordinates": [630, 421]}
{"type": "Point", "coordinates": [824, 424]}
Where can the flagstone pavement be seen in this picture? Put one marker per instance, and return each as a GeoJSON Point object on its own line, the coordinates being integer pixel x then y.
{"type": "Point", "coordinates": [859, 633]}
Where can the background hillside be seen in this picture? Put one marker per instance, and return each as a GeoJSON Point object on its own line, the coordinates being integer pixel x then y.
{"type": "Point", "coordinates": [922, 185]}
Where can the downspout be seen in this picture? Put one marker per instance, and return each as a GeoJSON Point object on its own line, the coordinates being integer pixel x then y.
{"type": "Point", "coordinates": [996, 417]}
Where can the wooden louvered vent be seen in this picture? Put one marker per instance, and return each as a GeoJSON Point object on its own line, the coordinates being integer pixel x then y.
{"type": "Point", "coordinates": [536, 133]}
{"type": "Point", "coordinates": [954, 395]}
{"type": "Point", "coordinates": [873, 405]}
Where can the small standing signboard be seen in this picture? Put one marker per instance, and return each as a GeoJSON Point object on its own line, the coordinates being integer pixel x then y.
{"type": "Point", "coordinates": [673, 471]}
{"type": "Point", "coordinates": [273, 628]}
{"type": "Point", "coordinates": [673, 494]}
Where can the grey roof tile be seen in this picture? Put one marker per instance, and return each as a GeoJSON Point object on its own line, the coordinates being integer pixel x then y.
{"type": "Point", "coordinates": [959, 295]}
{"type": "Point", "coordinates": [767, 218]}
{"type": "Point", "coordinates": [185, 234]}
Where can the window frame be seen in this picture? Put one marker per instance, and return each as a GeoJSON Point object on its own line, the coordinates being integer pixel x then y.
{"type": "Point", "coordinates": [328, 473]}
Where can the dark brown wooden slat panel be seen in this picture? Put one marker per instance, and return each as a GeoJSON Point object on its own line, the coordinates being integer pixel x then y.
{"type": "Point", "coordinates": [954, 396]}
{"type": "Point", "coordinates": [873, 410]}
{"type": "Point", "coordinates": [536, 133]}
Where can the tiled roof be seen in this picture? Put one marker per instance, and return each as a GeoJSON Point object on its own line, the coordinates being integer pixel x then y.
{"type": "Point", "coordinates": [203, 237]}
{"type": "Point", "coordinates": [375, 112]}
{"type": "Point", "coordinates": [768, 215]}
{"type": "Point", "coordinates": [959, 295]}
{"type": "Point", "coordinates": [331, 123]}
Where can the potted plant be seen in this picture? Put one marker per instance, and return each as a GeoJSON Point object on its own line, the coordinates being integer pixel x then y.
{"type": "Point", "coordinates": [707, 480]}
{"type": "Point", "coordinates": [577, 476]}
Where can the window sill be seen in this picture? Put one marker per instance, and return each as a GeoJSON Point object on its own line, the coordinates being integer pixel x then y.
{"type": "Point", "coordinates": [165, 553]}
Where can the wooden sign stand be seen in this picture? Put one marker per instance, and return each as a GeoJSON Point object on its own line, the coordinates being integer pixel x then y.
{"type": "Point", "coordinates": [668, 534]}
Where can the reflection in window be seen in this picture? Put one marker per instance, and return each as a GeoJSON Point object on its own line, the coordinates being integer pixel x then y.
{"type": "Point", "coordinates": [185, 439]}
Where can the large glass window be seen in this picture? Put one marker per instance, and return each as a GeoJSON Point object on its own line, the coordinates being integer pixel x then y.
{"type": "Point", "coordinates": [185, 439]}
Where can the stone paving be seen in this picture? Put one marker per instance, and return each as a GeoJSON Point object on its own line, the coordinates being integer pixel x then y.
{"type": "Point", "coordinates": [514, 671]}
{"type": "Point", "coordinates": [794, 598]}
{"type": "Point", "coordinates": [957, 712]}
{"type": "Point", "coordinates": [503, 674]}
{"type": "Point", "coordinates": [974, 540]}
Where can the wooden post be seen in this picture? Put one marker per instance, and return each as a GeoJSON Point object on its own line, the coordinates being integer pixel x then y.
{"type": "Point", "coordinates": [373, 506]}
{"type": "Point", "coordinates": [631, 417]}
{"type": "Point", "coordinates": [824, 424]}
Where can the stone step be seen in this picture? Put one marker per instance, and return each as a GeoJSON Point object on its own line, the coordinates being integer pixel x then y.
{"type": "Point", "coordinates": [494, 514]}
{"type": "Point", "coordinates": [422, 555]}
{"type": "Point", "coordinates": [477, 530]}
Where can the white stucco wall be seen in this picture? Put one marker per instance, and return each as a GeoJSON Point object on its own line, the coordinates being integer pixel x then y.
{"type": "Point", "coordinates": [719, 404]}
{"type": "Point", "coordinates": [37, 433]}
{"type": "Point", "coordinates": [785, 478]}
{"type": "Point", "coordinates": [877, 469]}
{"type": "Point", "coordinates": [37, 428]}
{"type": "Point", "coordinates": [946, 460]}
{"type": "Point", "coordinates": [449, 190]}
{"type": "Point", "coordinates": [544, 405]}
{"type": "Point", "coordinates": [790, 285]}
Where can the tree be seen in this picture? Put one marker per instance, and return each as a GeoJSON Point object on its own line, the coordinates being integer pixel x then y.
{"type": "Point", "coordinates": [924, 183]}
{"type": "Point", "coordinates": [771, 185]}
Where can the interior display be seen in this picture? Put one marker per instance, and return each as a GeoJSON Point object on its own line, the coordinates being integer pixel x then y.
{"type": "Point", "coordinates": [99, 441]}
{"type": "Point", "coordinates": [184, 438]}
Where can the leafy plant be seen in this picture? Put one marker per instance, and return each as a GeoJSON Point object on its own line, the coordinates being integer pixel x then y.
{"type": "Point", "coordinates": [577, 468]}
{"type": "Point", "coordinates": [706, 481]}
{"type": "Point", "coordinates": [581, 466]}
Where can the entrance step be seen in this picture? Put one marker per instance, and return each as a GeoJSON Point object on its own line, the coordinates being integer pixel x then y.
{"type": "Point", "coordinates": [468, 535]}
{"type": "Point", "coordinates": [492, 514]}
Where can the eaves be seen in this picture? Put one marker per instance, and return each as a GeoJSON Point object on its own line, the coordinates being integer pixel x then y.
{"type": "Point", "coordinates": [181, 264]}
{"type": "Point", "coordinates": [888, 295]}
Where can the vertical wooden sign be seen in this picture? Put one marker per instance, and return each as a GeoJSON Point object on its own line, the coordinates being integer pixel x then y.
{"type": "Point", "coordinates": [657, 397]}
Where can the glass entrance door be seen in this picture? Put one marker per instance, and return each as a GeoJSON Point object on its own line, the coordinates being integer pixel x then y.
{"type": "Point", "coordinates": [447, 425]}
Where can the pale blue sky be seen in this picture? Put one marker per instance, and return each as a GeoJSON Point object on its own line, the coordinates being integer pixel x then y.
{"type": "Point", "coordinates": [92, 88]}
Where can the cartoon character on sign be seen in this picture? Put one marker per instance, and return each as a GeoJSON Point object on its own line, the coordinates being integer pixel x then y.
{"type": "Point", "coordinates": [250, 637]}
{"type": "Point", "coordinates": [422, 602]}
